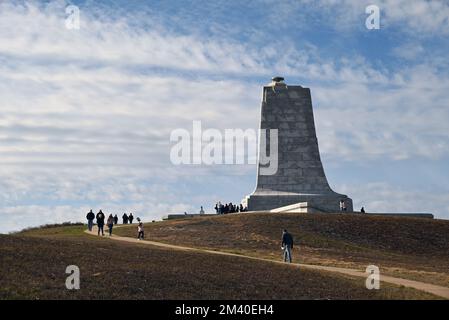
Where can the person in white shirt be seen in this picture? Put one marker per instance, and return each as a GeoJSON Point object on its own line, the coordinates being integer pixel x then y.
{"type": "Point", "coordinates": [140, 231]}
{"type": "Point", "coordinates": [342, 205]}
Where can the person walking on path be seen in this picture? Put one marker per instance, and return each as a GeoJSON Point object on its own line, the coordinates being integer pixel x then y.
{"type": "Point", "coordinates": [140, 232]}
{"type": "Point", "coordinates": [130, 218]}
{"type": "Point", "coordinates": [342, 205]}
{"type": "Point", "coordinates": [125, 218]}
{"type": "Point", "coordinates": [100, 222]}
{"type": "Point", "coordinates": [287, 246]}
{"type": "Point", "coordinates": [110, 224]}
{"type": "Point", "coordinates": [90, 219]}
{"type": "Point", "coordinates": [115, 219]}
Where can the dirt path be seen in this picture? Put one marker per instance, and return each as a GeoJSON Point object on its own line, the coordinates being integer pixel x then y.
{"type": "Point", "coordinates": [431, 288]}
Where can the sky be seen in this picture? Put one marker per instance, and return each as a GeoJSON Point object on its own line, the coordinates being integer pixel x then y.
{"type": "Point", "coordinates": [86, 114]}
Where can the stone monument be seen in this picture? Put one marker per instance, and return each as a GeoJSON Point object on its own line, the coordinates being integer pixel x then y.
{"type": "Point", "coordinates": [299, 184]}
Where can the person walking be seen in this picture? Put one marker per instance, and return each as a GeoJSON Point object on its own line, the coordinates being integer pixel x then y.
{"type": "Point", "coordinates": [201, 210]}
{"type": "Point", "coordinates": [131, 218]}
{"type": "Point", "coordinates": [125, 218]}
{"type": "Point", "coordinates": [362, 210]}
{"type": "Point", "coordinates": [90, 219]}
{"type": "Point", "coordinates": [140, 231]}
{"type": "Point", "coordinates": [100, 222]}
{"type": "Point", "coordinates": [110, 224]}
{"type": "Point", "coordinates": [287, 246]}
{"type": "Point", "coordinates": [115, 219]}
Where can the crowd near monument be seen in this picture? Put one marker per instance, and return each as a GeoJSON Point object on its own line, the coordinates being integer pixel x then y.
{"type": "Point", "coordinates": [298, 182]}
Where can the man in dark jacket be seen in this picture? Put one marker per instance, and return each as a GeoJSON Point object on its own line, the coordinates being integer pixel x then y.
{"type": "Point", "coordinates": [100, 222]}
{"type": "Point", "coordinates": [125, 218]}
{"type": "Point", "coordinates": [115, 219]}
{"type": "Point", "coordinates": [90, 219]}
{"type": "Point", "coordinates": [287, 246]}
{"type": "Point", "coordinates": [130, 218]}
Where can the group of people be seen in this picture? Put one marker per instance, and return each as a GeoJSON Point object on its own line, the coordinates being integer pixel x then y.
{"type": "Point", "coordinates": [286, 243]}
{"type": "Point", "coordinates": [127, 218]}
{"type": "Point", "coordinates": [344, 208]}
{"type": "Point", "coordinates": [229, 208]}
{"type": "Point", "coordinates": [111, 221]}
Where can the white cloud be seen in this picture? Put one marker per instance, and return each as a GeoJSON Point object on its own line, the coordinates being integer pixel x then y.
{"type": "Point", "coordinates": [39, 33]}
{"type": "Point", "coordinates": [417, 18]}
{"type": "Point", "coordinates": [357, 121]}
{"type": "Point", "coordinates": [409, 51]}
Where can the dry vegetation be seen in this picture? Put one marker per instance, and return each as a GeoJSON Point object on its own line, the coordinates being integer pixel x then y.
{"type": "Point", "coordinates": [413, 248]}
{"type": "Point", "coordinates": [33, 267]}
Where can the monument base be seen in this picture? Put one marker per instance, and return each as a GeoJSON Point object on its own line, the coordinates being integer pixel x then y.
{"type": "Point", "coordinates": [185, 216]}
{"type": "Point", "coordinates": [319, 202]}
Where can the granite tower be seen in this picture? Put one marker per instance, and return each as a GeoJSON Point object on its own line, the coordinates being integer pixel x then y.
{"type": "Point", "coordinates": [299, 184]}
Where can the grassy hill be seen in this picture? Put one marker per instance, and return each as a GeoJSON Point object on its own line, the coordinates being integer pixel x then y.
{"type": "Point", "coordinates": [413, 248]}
{"type": "Point", "coordinates": [33, 262]}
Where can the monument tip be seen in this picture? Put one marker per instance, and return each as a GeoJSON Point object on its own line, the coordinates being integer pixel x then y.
{"type": "Point", "coordinates": [277, 79]}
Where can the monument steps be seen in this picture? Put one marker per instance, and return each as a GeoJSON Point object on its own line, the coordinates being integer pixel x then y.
{"type": "Point", "coordinates": [300, 207]}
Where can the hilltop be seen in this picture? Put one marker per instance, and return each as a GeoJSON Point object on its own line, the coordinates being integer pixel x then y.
{"type": "Point", "coordinates": [33, 262]}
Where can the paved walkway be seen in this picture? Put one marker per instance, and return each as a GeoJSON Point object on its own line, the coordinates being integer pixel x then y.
{"type": "Point", "coordinates": [427, 287]}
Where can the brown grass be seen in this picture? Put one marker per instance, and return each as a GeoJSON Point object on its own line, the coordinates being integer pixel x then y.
{"type": "Point", "coordinates": [413, 248]}
{"type": "Point", "coordinates": [33, 267]}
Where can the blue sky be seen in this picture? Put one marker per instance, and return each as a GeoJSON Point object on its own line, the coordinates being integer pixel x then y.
{"type": "Point", "coordinates": [86, 115]}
